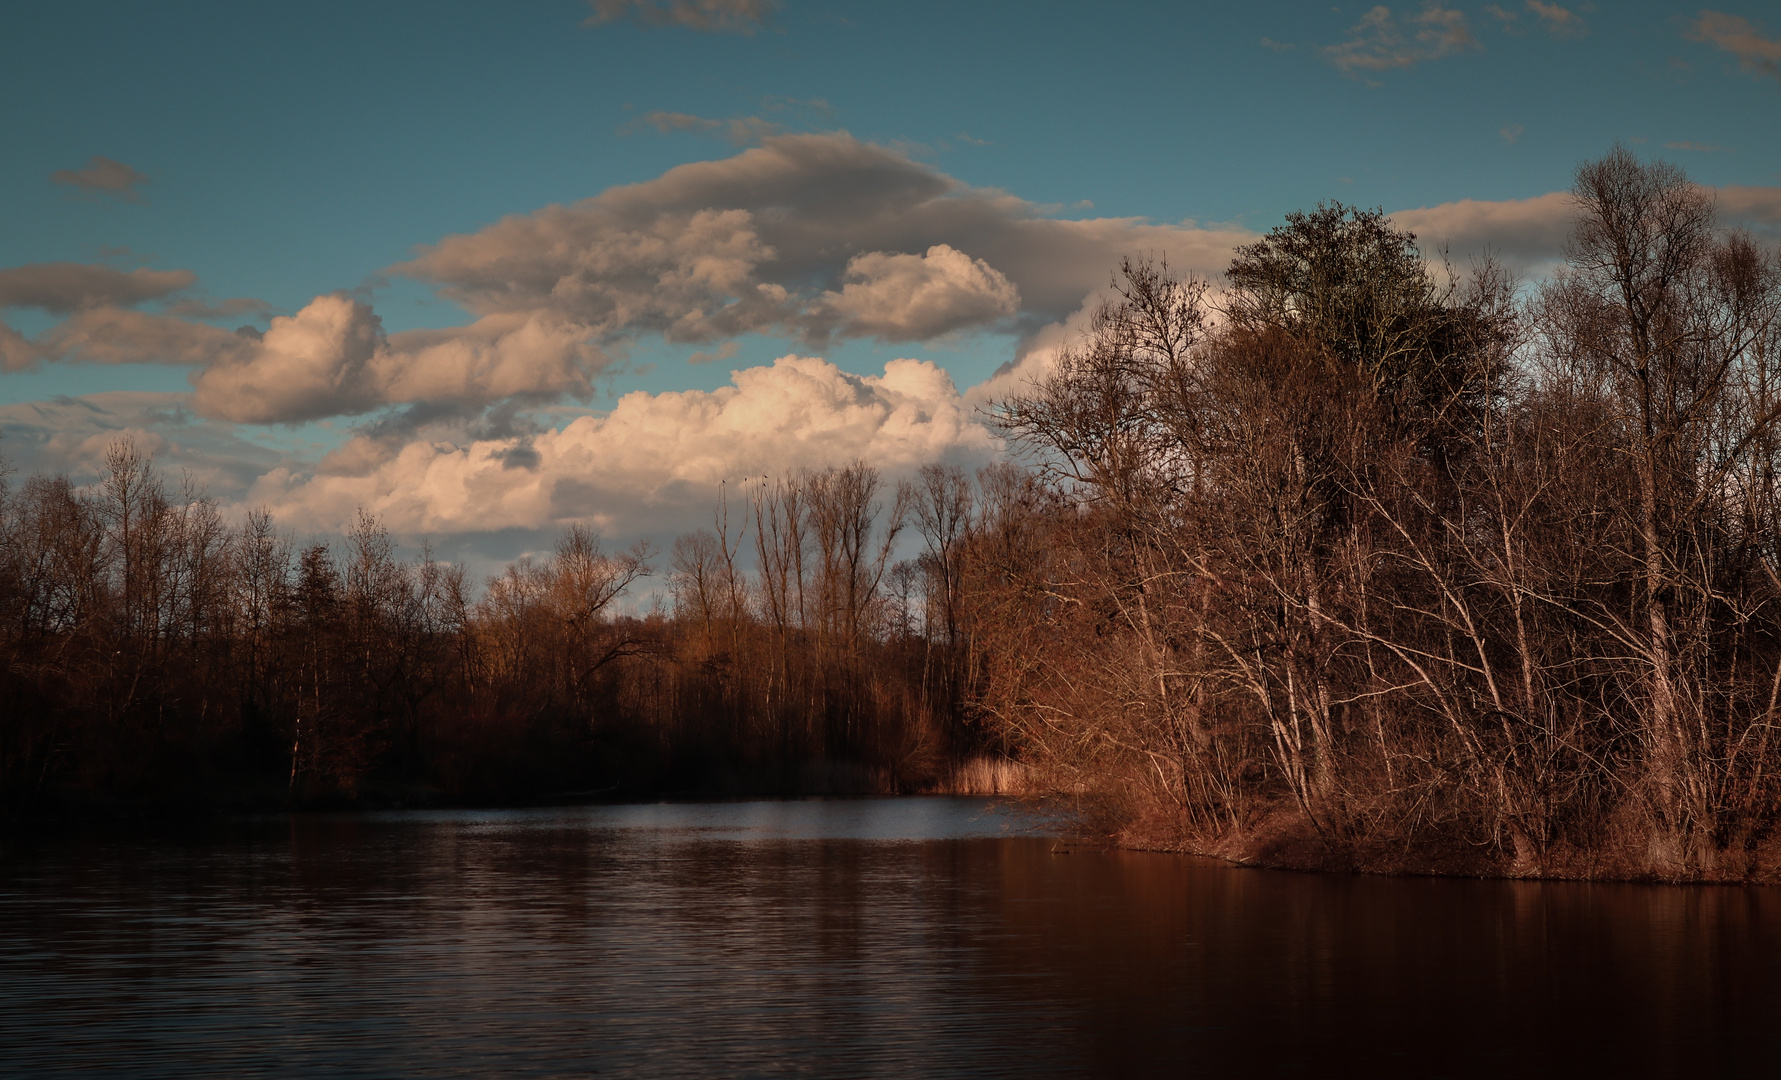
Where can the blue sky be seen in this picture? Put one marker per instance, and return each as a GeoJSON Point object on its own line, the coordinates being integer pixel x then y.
{"type": "Point", "coordinates": [282, 154]}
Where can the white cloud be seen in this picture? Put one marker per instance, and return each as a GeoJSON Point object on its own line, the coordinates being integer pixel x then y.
{"type": "Point", "coordinates": [312, 364]}
{"type": "Point", "coordinates": [654, 463]}
{"type": "Point", "coordinates": [916, 297]}
{"type": "Point", "coordinates": [333, 359]}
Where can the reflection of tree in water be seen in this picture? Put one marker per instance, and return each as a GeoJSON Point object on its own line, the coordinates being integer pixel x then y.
{"type": "Point", "coordinates": [470, 942]}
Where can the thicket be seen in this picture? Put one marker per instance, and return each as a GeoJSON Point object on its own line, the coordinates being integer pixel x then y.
{"type": "Point", "coordinates": [1354, 563]}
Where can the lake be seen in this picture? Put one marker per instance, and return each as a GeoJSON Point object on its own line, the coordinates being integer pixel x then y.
{"type": "Point", "coordinates": [875, 937]}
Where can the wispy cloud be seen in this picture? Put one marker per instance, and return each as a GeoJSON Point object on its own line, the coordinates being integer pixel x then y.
{"type": "Point", "coordinates": [1379, 42]}
{"type": "Point", "coordinates": [1742, 38]}
{"type": "Point", "coordinates": [723, 352]}
{"type": "Point", "coordinates": [62, 287]}
{"type": "Point", "coordinates": [1701, 147]}
{"type": "Point", "coordinates": [1528, 235]}
{"type": "Point", "coordinates": [1559, 22]}
{"type": "Point", "coordinates": [791, 114]}
{"type": "Point", "coordinates": [105, 177]}
{"type": "Point", "coordinates": [741, 130]}
{"type": "Point", "coordinates": [233, 307]}
{"type": "Point", "coordinates": [709, 16]}
{"type": "Point", "coordinates": [1510, 20]}
{"type": "Point", "coordinates": [1511, 133]}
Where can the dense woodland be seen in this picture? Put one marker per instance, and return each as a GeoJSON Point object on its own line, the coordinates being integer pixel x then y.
{"type": "Point", "coordinates": [1346, 559]}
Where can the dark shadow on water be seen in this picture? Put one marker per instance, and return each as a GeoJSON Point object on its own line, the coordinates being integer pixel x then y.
{"type": "Point", "coordinates": [920, 937]}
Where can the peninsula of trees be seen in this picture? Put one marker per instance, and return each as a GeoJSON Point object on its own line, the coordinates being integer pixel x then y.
{"type": "Point", "coordinates": [1344, 560]}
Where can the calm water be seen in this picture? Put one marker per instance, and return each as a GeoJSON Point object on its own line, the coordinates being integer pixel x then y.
{"type": "Point", "coordinates": [908, 937]}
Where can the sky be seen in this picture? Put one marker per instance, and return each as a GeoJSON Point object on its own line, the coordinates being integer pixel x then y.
{"type": "Point", "coordinates": [486, 270]}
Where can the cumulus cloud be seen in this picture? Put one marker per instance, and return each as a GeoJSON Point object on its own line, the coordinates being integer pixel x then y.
{"type": "Point", "coordinates": [312, 364]}
{"type": "Point", "coordinates": [62, 287]}
{"type": "Point", "coordinates": [332, 358]}
{"type": "Point", "coordinates": [915, 297]}
{"type": "Point", "coordinates": [711, 16]}
{"type": "Point", "coordinates": [103, 176]}
{"type": "Point", "coordinates": [495, 358]}
{"type": "Point", "coordinates": [653, 463]}
{"type": "Point", "coordinates": [810, 236]}
{"type": "Point", "coordinates": [1743, 39]}
{"type": "Point", "coordinates": [1379, 42]}
{"type": "Point", "coordinates": [766, 241]}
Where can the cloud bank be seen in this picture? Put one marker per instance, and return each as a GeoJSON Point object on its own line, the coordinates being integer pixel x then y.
{"type": "Point", "coordinates": [653, 463]}
{"type": "Point", "coordinates": [483, 427]}
{"type": "Point", "coordinates": [812, 237]}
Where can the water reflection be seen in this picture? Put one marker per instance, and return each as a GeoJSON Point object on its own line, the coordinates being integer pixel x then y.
{"type": "Point", "coordinates": [868, 938]}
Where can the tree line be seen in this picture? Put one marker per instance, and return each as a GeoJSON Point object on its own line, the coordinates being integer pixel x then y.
{"type": "Point", "coordinates": [157, 656]}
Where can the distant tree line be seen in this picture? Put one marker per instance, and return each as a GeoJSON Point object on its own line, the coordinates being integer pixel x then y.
{"type": "Point", "coordinates": [155, 656]}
